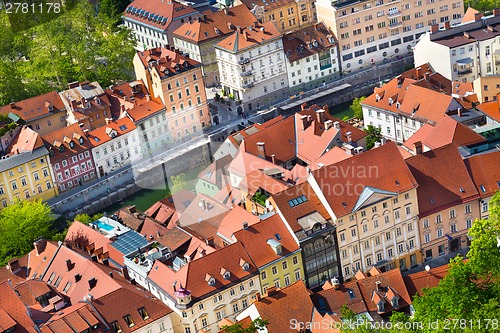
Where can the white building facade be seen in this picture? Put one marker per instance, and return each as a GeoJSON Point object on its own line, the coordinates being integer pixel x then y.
{"type": "Point", "coordinates": [252, 66]}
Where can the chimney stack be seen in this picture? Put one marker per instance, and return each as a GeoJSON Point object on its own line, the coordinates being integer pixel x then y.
{"type": "Point", "coordinates": [446, 25]}
{"type": "Point", "coordinates": [418, 147]}
{"type": "Point", "coordinates": [303, 106]}
{"type": "Point", "coordinates": [427, 76]}
{"type": "Point", "coordinates": [496, 12]}
{"type": "Point", "coordinates": [261, 149]}
{"type": "Point", "coordinates": [39, 246]}
{"type": "Point", "coordinates": [377, 285]}
{"type": "Point", "coordinates": [434, 28]}
{"type": "Point", "coordinates": [335, 283]}
{"type": "Point", "coordinates": [125, 273]}
{"type": "Point", "coordinates": [328, 124]}
{"type": "Point", "coordinates": [320, 116]}
{"type": "Point", "coordinates": [304, 122]}
{"type": "Point", "coordinates": [460, 112]}
{"type": "Point", "coordinates": [226, 11]}
{"type": "Point", "coordinates": [273, 158]}
{"type": "Point", "coordinates": [336, 125]}
{"type": "Point", "coordinates": [349, 136]}
{"type": "Point", "coordinates": [148, 97]}
{"type": "Point", "coordinates": [12, 105]}
{"type": "Point", "coordinates": [477, 17]}
{"type": "Point", "coordinates": [245, 225]}
{"type": "Point", "coordinates": [14, 266]}
{"type": "Point", "coordinates": [245, 35]}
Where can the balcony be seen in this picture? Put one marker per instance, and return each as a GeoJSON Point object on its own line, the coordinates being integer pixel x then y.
{"type": "Point", "coordinates": [464, 71]}
{"type": "Point", "coordinates": [247, 73]}
{"type": "Point", "coordinates": [248, 85]}
{"type": "Point", "coordinates": [394, 13]}
{"type": "Point", "coordinates": [395, 25]}
{"type": "Point", "coordinates": [244, 61]}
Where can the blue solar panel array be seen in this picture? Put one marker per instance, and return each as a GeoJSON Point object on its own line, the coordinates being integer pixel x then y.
{"type": "Point", "coordinates": [129, 242]}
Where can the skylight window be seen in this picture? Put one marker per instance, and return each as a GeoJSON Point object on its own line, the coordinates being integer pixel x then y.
{"type": "Point", "coordinates": [123, 127]}
{"type": "Point", "coordinates": [482, 188]}
{"type": "Point", "coordinates": [278, 236]}
{"type": "Point", "coordinates": [351, 294]}
{"type": "Point", "coordinates": [297, 201]}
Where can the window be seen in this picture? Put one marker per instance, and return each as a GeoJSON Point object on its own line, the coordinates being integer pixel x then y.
{"type": "Point", "coordinates": [453, 228]}
{"type": "Point", "coordinates": [379, 256]}
{"type": "Point", "coordinates": [439, 233]}
{"type": "Point", "coordinates": [389, 252]}
{"type": "Point", "coordinates": [484, 207]}
{"type": "Point", "coordinates": [375, 224]}
{"type": "Point", "coordinates": [204, 322]}
{"type": "Point", "coordinates": [116, 327]}
{"type": "Point", "coordinates": [144, 314]}
{"type": "Point", "coordinates": [408, 210]}
{"type": "Point", "coordinates": [427, 238]}
{"type": "Point", "coordinates": [388, 235]}
{"type": "Point", "coordinates": [242, 288]}
{"type": "Point", "coordinates": [342, 237]}
{"type": "Point", "coordinates": [285, 265]}
{"type": "Point", "coordinates": [439, 218]}
{"type": "Point", "coordinates": [377, 240]}
{"type": "Point", "coordinates": [14, 185]}
{"type": "Point", "coordinates": [295, 260]}
{"type": "Point", "coordinates": [235, 308]}
{"type": "Point", "coordinates": [274, 270]}
{"type": "Point", "coordinates": [452, 214]}
{"type": "Point", "coordinates": [66, 287]}
{"type": "Point", "coordinates": [468, 223]}
{"type": "Point", "coordinates": [396, 214]}
{"type": "Point", "coordinates": [467, 209]}
{"type": "Point", "coordinates": [263, 276]}
{"type": "Point", "coordinates": [353, 232]}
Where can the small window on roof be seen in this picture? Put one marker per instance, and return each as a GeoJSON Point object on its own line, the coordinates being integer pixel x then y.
{"type": "Point", "coordinates": [116, 327]}
{"type": "Point", "coordinates": [66, 287]}
{"type": "Point", "coordinates": [482, 188]}
{"type": "Point", "coordinates": [278, 236]}
{"type": "Point", "coordinates": [96, 139]}
{"type": "Point", "coordinates": [51, 278]}
{"type": "Point", "coordinates": [498, 183]}
{"type": "Point", "coordinates": [144, 314]}
{"type": "Point", "coordinates": [123, 127]}
{"type": "Point", "coordinates": [128, 319]}
{"type": "Point", "coordinates": [351, 294]}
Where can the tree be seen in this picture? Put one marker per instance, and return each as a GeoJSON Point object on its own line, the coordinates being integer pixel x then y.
{"type": "Point", "coordinates": [20, 224]}
{"type": "Point", "coordinates": [256, 325]}
{"type": "Point", "coordinates": [87, 219]}
{"type": "Point", "coordinates": [356, 107]}
{"type": "Point", "coordinates": [373, 135]}
{"type": "Point", "coordinates": [178, 182]}
{"type": "Point", "coordinates": [113, 9]}
{"type": "Point", "coordinates": [482, 5]}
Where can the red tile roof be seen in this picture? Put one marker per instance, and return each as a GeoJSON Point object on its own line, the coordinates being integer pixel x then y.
{"type": "Point", "coordinates": [192, 276]}
{"type": "Point", "coordinates": [278, 139]}
{"type": "Point", "coordinates": [35, 107]}
{"type": "Point", "coordinates": [166, 11]}
{"type": "Point", "coordinates": [267, 5]}
{"type": "Point", "coordinates": [130, 217]}
{"type": "Point", "coordinates": [62, 138]}
{"type": "Point", "coordinates": [30, 290]}
{"type": "Point", "coordinates": [26, 141]}
{"type": "Point", "coordinates": [13, 312]}
{"type": "Point", "coordinates": [84, 237]}
{"type": "Point", "coordinates": [238, 137]}
{"type": "Point", "coordinates": [416, 282]}
{"type": "Point", "coordinates": [247, 37]}
{"type": "Point", "coordinates": [40, 260]}
{"type": "Point", "coordinates": [173, 238]}
{"type": "Point", "coordinates": [283, 305]}
{"type": "Point", "coordinates": [126, 96]}
{"type": "Point", "coordinates": [180, 200]}
{"type": "Point", "coordinates": [78, 317]}
{"type": "Point", "coordinates": [233, 222]}
{"type": "Point", "coordinates": [257, 179]}
{"type": "Point", "coordinates": [308, 41]}
{"type": "Point", "coordinates": [446, 131]}
{"type": "Point", "coordinates": [166, 62]}
{"type": "Point", "coordinates": [470, 14]}
{"type": "Point", "coordinates": [105, 133]}
{"type": "Point", "coordinates": [116, 305]}
{"type": "Point", "coordinates": [485, 172]}
{"type": "Point", "coordinates": [255, 240]}
{"type": "Point", "coordinates": [491, 109]}
{"type": "Point", "coordinates": [443, 180]}
{"type": "Point", "coordinates": [245, 162]}
{"type": "Point", "coordinates": [381, 168]}
{"type": "Point", "coordinates": [146, 110]}
{"type": "Point", "coordinates": [215, 24]}
{"type": "Point", "coordinates": [293, 214]}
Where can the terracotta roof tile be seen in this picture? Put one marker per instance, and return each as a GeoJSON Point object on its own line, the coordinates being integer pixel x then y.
{"type": "Point", "coordinates": [166, 11]}
{"type": "Point", "coordinates": [257, 179]}
{"type": "Point", "coordinates": [255, 240]}
{"type": "Point", "coordinates": [267, 5]}
{"type": "Point", "coordinates": [491, 109]}
{"type": "Point", "coordinates": [35, 107]}
{"type": "Point", "coordinates": [30, 290]}
{"type": "Point", "coordinates": [12, 310]}
{"type": "Point", "coordinates": [308, 41]}
{"type": "Point", "coordinates": [446, 131]}
{"type": "Point", "coordinates": [83, 236]}
{"type": "Point", "coordinates": [192, 275]}
{"type": "Point", "coordinates": [116, 127]}
{"type": "Point", "coordinates": [40, 260]}
{"type": "Point", "coordinates": [443, 180]}
{"type": "Point", "coordinates": [26, 141]}
{"type": "Point", "coordinates": [233, 222]}
{"type": "Point", "coordinates": [248, 37]}
{"type": "Point", "coordinates": [166, 62]}
{"type": "Point", "coordinates": [215, 24]}
{"type": "Point", "coordinates": [61, 138]}
{"type": "Point", "coordinates": [381, 168]}
{"type": "Point", "coordinates": [485, 173]}
{"type": "Point", "coordinates": [281, 307]}
{"type": "Point", "coordinates": [173, 238]}
{"type": "Point", "coordinates": [469, 15]}
{"type": "Point", "coordinates": [180, 200]}
{"type": "Point", "coordinates": [146, 110]}
{"type": "Point", "coordinates": [245, 162]}
{"type": "Point", "coordinates": [126, 95]}
{"type": "Point", "coordinates": [130, 217]}
{"type": "Point", "coordinates": [76, 317]}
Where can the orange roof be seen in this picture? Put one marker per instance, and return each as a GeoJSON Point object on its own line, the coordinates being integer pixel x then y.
{"type": "Point", "coordinates": [13, 312]}
{"type": "Point", "coordinates": [130, 217]}
{"type": "Point", "coordinates": [485, 172]}
{"type": "Point", "coordinates": [446, 131]}
{"type": "Point", "coordinates": [163, 214]}
{"type": "Point", "coordinates": [164, 11]}
{"type": "Point", "coordinates": [180, 200]}
{"type": "Point", "coordinates": [166, 62]}
{"type": "Point", "coordinates": [115, 306]}
{"type": "Point", "coordinates": [127, 94]}
{"type": "Point", "coordinates": [116, 127]}
{"type": "Point", "coordinates": [293, 214]}
{"type": "Point", "coordinates": [233, 222]}
{"type": "Point", "coordinates": [281, 306]}
{"type": "Point", "coordinates": [443, 180]}
{"type": "Point", "coordinates": [82, 236]}
{"type": "Point", "coordinates": [251, 36]}
{"type": "Point", "coordinates": [332, 156]}
{"type": "Point", "coordinates": [30, 290]}
{"type": "Point", "coordinates": [267, 5]}
{"type": "Point", "coordinates": [278, 139]}
{"type": "Point", "coordinates": [146, 110]}
{"type": "Point", "coordinates": [416, 282]}
{"type": "Point", "coordinates": [79, 317]}
{"type": "Point", "coordinates": [245, 162]}
{"type": "Point", "coordinates": [62, 138]}
{"type": "Point", "coordinates": [308, 41]}
{"type": "Point", "coordinates": [256, 236]}
{"type": "Point", "coordinates": [470, 14]}
{"type": "Point", "coordinates": [257, 179]}
{"type": "Point", "coordinates": [491, 109]}
{"type": "Point", "coordinates": [35, 107]}
{"type": "Point", "coordinates": [215, 24]}
{"type": "Point", "coordinates": [381, 168]}
{"type": "Point", "coordinates": [429, 104]}
{"type": "Point", "coordinates": [173, 238]}
{"type": "Point", "coordinates": [40, 259]}
{"type": "Point", "coordinates": [192, 276]}
{"type": "Point", "coordinates": [26, 141]}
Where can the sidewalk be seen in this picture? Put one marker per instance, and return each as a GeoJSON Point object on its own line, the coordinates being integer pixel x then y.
{"type": "Point", "coordinates": [439, 261]}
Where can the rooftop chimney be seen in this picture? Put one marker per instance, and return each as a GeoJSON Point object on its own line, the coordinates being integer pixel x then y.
{"type": "Point", "coordinates": [434, 28]}
{"type": "Point", "coordinates": [245, 35]}
{"type": "Point", "coordinates": [39, 246]}
{"type": "Point", "coordinates": [328, 124]}
{"type": "Point", "coordinates": [303, 106]}
{"type": "Point", "coordinates": [496, 11]}
{"type": "Point", "coordinates": [14, 266]}
{"type": "Point", "coordinates": [110, 274]}
{"type": "Point", "coordinates": [477, 17]}
{"type": "Point", "coordinates": [273, 158]}
{"type": "Point", "coordinates": [418, 147]}
{"type": "Point", "coordinates": [335, 283]}
{"type": "Point", "coordinates": [304, 122]}
{"type": "Point", "coordinates": [261, 149]}
{"type": "Point", "coordinates": [148, 97]}
{"type": "Point", "coordinates": [245, 225]}
{"type": "Point", "coordinates": [349, 136]}
{"type": "Point", "coordinates": [446, 25]}
{"type": "Point", "coordinates": [226, 11]}
{"type": "Point", "coordinates": [92, 283]}
{"type": "Point", "coordinates": [460, 112]}
{"type": "Point", "coordinates": [125, 273]}
{"type": "Point", "coordinates": [336, 125]}
{"type": "Point", "coordinates": [377, 285]}
{"type": "Point", "coordinates": [271, 290]}
{"type": "Point", "coordinates": [320, 116]}
{"type": "Point", "coordinates": [12, 105]}
{"type": "Point", "coordinates": [427, 76]}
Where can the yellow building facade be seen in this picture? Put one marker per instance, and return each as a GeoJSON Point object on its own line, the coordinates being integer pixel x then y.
{"type": "Point", "coordinates": [26, 176]}
{"type": "Point", "coordinates": [282, 272]}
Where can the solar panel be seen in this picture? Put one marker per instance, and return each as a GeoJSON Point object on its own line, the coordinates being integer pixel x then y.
{"type": "Point", "coordinates": [129, 242]}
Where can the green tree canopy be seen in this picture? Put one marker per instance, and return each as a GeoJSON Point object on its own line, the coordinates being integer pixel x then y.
{"type": "Point", "coordinates": [374, 134]}
{"type": "Point", "coordinates": [177, 182]}
{"type": "Point", "coordinates": [256, 325]}
{"type": "Point", "coordinates": [87, 219]}
{"type": "Point", "coordinates": [79, 45]}
{"type": "Point", "coordinates": [356, 107]}
{"type": "Point", "coordinates": [20, 224]}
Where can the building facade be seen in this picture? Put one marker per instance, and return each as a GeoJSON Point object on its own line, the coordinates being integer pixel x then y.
{"type": "Point", "coordinates": [70, 157]}
{"type": "Point", "coordinates": [153, 22]}
{"type": "Point", "coordinates": [43, 114]}
{"type": "Point", "coordinates": [252, 66]}
{"type": "Point", "coordinates": [198, 38]}
{"type": "Point", "coordinates": [25, 170]}
{"type": "Point", "coordinates": [371, 32]}
{"type": "Point", "coordinates": [286, 15]}
{"type": "Point", "coordinates": [465, 52]}
{"type": "Point", "coordinates": [115, 145]}
{"type": "Point", "coordinates": [487, 87]}
{"type": "Point", "coordinates": [178, 82]}
{"type": "Point", "coordinates": [313, 57]}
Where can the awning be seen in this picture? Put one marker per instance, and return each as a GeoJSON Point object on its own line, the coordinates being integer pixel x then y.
{"type": "Point", "coordinates": [465, 61]}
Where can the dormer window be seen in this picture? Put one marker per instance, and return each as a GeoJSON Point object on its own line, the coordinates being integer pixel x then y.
{"type": "Point", "coordinates": [128, 319]}
{"type": "Point", "coordinates": [395, 302]}
{"type": "Point", "coordinates": [381, 306]}
{"type": "Point", "coordinates": [61, 149]}
{"type": "Point", "coordinates": [116, 327]}
{"type": "Point", "coordinates": [226, 274]}
{"type": "Point", "coordinates": [144, 314]}
{"type": "Point", "coordinates": [81, 140]}
{"type": "Point", "coordinates": [98, 100]}
{"type": "Point", "coordinates": [71, 144]}
{"type": "Point", "coordinates": [210, 279]}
